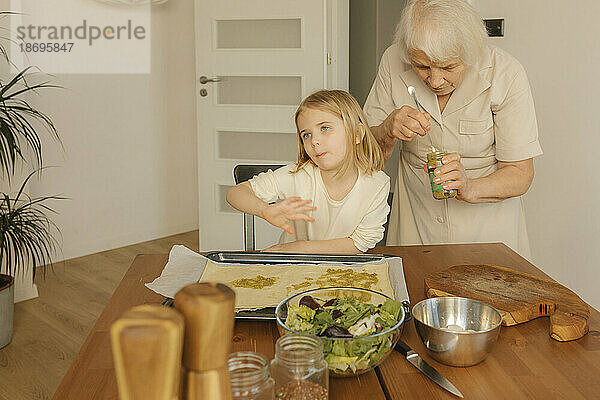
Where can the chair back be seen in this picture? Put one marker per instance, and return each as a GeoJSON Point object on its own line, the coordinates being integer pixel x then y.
{"type": "Point", "coordinates": [242, 173]}
{"type": "Point", "coordinates": [245, 172]}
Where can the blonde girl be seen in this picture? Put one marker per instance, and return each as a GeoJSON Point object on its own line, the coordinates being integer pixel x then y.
{"type": "Point", "coordinates": [334, 199]}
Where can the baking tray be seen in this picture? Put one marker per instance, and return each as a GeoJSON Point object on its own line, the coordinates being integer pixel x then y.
{"type": "Point", "coordinates": [240, 257]}
{"type": "Point", "coordinates": [269, 312]}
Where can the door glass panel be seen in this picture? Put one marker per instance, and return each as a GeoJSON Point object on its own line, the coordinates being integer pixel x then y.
{"type": "Point", "coordinates": [222, 204]}
{"type": "Point", "coordinates": [263, 90]}
{"type": "Point", "coordinates": [259, 34]}
{"type": "Point", "coordinates": [257, 146]}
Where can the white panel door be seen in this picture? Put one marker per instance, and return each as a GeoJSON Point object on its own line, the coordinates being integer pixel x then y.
{"type": "Point", "coordinates": [267, 56]}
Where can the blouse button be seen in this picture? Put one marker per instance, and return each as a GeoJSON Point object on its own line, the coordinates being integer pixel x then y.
{"type": "Point", "coordinates": [440, 220]}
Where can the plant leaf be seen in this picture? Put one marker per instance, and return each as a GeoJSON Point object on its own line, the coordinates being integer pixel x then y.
{"type": "Point", "coordinates": [26, 232]}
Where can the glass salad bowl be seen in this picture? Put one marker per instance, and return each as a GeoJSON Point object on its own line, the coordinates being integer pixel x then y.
{"type": "Point", "coordinates": [358, 327]}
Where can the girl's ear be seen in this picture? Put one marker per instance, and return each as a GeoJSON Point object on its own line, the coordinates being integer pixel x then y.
{"type": "Point", "coordinates": [363, 131]}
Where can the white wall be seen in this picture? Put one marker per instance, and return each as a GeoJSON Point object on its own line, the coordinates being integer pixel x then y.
{"type": "Point", "coordinates": [363, 47]}
{"type": "Point", "coordinates": [372, 27]}
{"type": "Point", "coordinates": [557, 42]}
{"type": "Point", "coordinates": [129, 164]}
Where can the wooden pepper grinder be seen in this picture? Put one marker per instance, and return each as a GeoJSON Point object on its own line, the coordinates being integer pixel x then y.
{"type": "Point", "coordinates": [147, 343]}
{"type": "Point", "coordinates": [208, 311]}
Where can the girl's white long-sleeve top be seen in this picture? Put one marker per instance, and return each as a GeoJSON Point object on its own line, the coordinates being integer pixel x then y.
{"type": "Point", "coordinates": [360, 215]}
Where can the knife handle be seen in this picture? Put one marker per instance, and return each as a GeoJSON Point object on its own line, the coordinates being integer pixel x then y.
{"type": "Point", "coordinates": [407, 313]}
{"type": "Point", "coordinates": [403, 348]}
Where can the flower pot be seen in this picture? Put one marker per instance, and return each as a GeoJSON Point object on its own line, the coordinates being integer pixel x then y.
{"type": "Point", "coordinates": [7, 307]}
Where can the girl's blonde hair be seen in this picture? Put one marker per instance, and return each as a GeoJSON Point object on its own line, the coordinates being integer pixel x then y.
{"type": "Point", "coordinates": [366, 155]}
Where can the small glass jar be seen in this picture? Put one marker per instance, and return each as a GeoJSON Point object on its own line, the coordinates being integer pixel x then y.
{"type": "Point", "coordinates": [434, 160]}
{"type": "Point", "coordinates": [249, 376]}
{"type": "Point", "coordinates": [299, 369]}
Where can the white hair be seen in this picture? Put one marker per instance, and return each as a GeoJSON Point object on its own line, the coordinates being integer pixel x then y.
{"type": "Point", "coordinates": [442, 29]}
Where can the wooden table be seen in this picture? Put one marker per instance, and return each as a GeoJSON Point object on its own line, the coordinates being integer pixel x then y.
{"type": "Point", "coordinates": [524, 364]}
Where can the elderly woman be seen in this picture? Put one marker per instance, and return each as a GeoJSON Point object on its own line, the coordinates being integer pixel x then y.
{"type": "Point", "coordinates": [477, 106]}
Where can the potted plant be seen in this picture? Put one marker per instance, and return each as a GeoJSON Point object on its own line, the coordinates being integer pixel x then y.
{"type": "Point", "coordinates": [26, 232]}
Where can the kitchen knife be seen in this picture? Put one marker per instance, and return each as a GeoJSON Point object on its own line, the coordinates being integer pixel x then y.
{"type": "Point", "coordinates": [416, 360]}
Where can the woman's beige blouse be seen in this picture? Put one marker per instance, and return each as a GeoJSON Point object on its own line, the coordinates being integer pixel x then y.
{"type": "Point", "coordinates": [490, 117]}
{"type": "Point", "coordinates": [360, 215]}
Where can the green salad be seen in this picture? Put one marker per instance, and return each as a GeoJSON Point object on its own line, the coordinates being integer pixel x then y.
{"type": "Point", "coordinates": [347, 318]}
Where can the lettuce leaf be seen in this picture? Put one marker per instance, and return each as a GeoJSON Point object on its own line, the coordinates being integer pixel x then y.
{"type": "Point", "coordinates": [341, 363]}
{"type": "Point", "coordinates": [299, 318]}
{"type": "Point", "coordinates": [392, 307]}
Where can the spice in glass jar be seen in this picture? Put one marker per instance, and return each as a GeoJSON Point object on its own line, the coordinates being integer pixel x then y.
{"type": "Point", "coordinates": [301, 390]}
{"type": "Point", "coordinates": [434, 160]}
{"type": "Point", "coordinates": [299, 370]}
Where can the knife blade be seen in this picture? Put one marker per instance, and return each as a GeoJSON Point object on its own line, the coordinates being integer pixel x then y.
{"type": "Point", "coordinates": [430, 372]}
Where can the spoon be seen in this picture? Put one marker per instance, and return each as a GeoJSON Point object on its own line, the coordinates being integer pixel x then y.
{"type": "Point", "coordinates": [413, 93]}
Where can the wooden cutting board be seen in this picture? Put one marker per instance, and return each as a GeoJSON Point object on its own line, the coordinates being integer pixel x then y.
{"type": "Point", "coordinates": [519, 297]}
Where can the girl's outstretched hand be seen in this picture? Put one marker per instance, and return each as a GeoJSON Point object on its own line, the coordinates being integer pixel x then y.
{"type": "Point", "coordinates": [299, 246]}
{"type": "Point", "coordinates": [294, 208]}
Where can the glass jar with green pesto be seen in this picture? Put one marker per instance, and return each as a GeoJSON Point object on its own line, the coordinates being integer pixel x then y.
{"type": "Point", "coordinates": [434, 160]}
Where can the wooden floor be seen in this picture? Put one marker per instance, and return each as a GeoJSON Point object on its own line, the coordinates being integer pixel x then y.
{"type": "Point", "coordinates": [49, 330]}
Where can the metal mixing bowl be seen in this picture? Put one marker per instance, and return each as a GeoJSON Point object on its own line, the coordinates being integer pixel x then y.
{"type": "Point", "coordinates": [455, 330]}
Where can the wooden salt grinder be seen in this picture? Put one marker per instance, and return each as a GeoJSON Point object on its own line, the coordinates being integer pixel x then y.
{"type": "Point", "coordinates": [147, 343]}
{"type": "Point", "coordinates": [208, 311]}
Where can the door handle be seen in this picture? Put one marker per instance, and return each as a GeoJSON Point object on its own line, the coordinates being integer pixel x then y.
{"type": "Point", "coordinates": [204, 80]}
